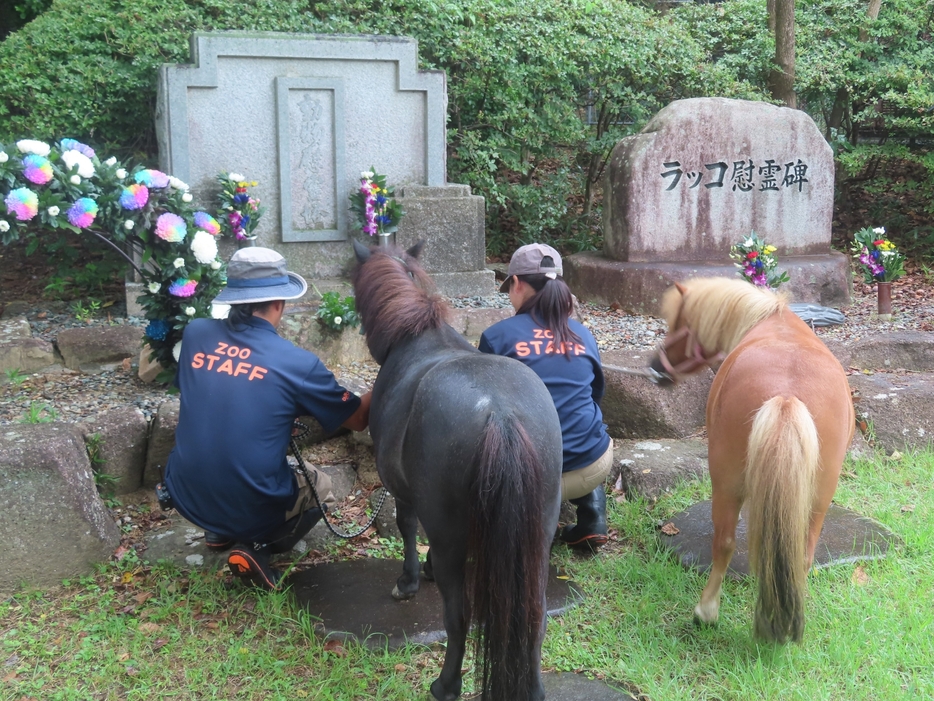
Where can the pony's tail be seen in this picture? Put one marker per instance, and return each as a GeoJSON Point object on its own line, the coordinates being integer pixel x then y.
{"type": "Point", "coordinates": [781, 468]}
{"type": "Point", "coordinates": [507, 560]}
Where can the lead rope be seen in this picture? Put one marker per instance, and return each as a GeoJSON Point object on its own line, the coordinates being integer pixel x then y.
{"type": "Point", "coordinates": [298, 430]}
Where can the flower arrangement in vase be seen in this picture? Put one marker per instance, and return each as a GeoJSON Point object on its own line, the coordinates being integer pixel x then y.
{"type": "Point", "coordinates": [757, 263]}
{"type": "Point", "coordinates": [378, 212]}
{"type": "Point", "coordinates": [239, 211]}
{"type": "Point", "coordinates": [881, 263]}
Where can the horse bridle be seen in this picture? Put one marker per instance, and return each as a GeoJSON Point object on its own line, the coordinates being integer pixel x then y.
{"type": "Point", "coordinates": [696, 357]}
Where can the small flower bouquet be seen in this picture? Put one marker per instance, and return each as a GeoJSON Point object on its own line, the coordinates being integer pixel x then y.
{"type": "Point", "coordinates": [756, 262]}
{"type": "Point", "coordinates": [336, 313]}
{"type": "Point", "coordinates": [240, 212]}
{"type": "Point", "coordinates": [879, 258]}
{"type": "Point", "coordinates": [374, 203]}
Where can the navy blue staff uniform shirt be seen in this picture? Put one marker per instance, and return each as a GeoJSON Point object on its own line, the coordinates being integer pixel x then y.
{"type": "Point", "coordinates": [576, 383]}
{"type": "Point", "coordinates": [240, 392]}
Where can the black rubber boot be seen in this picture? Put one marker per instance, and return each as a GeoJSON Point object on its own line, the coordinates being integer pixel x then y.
{"type": "Point", "coordinates": [252, 565]}
{"type": "Point", "coordinates": [294, 530]}
{"type": "Point", "coordinates": [589, 533]}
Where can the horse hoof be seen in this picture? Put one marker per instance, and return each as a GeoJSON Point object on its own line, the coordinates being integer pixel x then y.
{"type": "Point", "coordinates": [705, 619]}
{"type": "Point", "coordinates": [399, 595]}
{"type": "Point", "coordinates": [438, 692]}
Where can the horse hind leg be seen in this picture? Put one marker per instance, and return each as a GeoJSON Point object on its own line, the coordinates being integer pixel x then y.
{"type": "Point", "coordinates": [407, 521]}
{"type": "Point", "coordinates": [449, 574]}
{"type": "Point", "coordinates": [725, 512]}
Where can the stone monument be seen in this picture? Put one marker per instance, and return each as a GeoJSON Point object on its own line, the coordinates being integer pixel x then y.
{"type": "Point", "coordinates": [702, 175]}
{"type": "Point", "coordinates": [304, 115]}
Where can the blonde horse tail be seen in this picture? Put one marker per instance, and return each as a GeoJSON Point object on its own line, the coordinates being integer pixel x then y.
{"type": "Point", "coordinates": [781, 468]}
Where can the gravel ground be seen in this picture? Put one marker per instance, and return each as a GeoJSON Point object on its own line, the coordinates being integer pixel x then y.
{"type": "Point", "coordinates": [69, 396]}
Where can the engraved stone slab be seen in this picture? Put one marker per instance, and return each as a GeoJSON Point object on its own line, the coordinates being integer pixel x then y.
{"type": "Point", "coordinates": [353, 600]}
{"type": "Point", "coordinates": [846, 537]}
{"type": "Point", "coordinates": [564, 686]}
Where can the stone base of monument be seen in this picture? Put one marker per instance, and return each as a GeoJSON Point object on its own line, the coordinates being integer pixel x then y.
{"type": "Point", "coordinates": [846, 537]}
{"type": "Point", "coordinates": [638, 286]}
{"type": "Point", "coordinates": [564, 686]}
{"type": "Point", "coordinates": [353, 600]}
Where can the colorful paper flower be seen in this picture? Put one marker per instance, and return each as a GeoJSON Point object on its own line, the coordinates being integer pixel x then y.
{"type": "Point", "coordinates": [134, 197]}
{"type": "Point", "coordinates": [72, 145]}
{"type": "Point", "coordinates": [158, 329]}
{"type": "Point", "coordinates": [82, 212]}
{"type": "Point", "coordinates": [204, 247]}
{"type": "Point", "coordinates": [40, 148]}
{"type": "Point", "coordinates": [183, 287]}
{"type": "Point", "coordinates": [37, 169]}
{"type": "Point", "coordinates": [152, 178]}
{"type": "Point", "coordinates": [22, 202]}
{"type": "Point", "coordinates": [205, 221]}
{"type": "Point", "coordinates": [76, 159]}
{"type": "Point", "coordinates": [171, 227]}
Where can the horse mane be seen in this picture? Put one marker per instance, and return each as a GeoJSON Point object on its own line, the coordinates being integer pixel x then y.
{"type": "Point", "coordinates": [395, 298]}
{"type": "Point", "coordinates": [720, 310]}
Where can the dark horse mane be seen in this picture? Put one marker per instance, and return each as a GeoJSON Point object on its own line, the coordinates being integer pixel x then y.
{"type": "Point", "coordinates": [395, 298]}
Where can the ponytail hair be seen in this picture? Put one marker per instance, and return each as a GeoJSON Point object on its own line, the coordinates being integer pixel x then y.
{"type": "Point", "coordinates": [551, 307]}
{"type": "Point", "coordinates": [240, 314]}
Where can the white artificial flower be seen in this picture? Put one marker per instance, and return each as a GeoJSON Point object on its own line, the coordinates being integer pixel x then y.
{"type": "Point", "coordinates": [4, 225]}
{"type": "Point", "coordinates": [129, 224]}
{"type": "Point", "coordinates": [112, 161]}
{"type": "Point", "coordinates": [53, 211]}
{"type": "Point", "coordinates": [177, 351]}
{"type": "Point", "coordinates": [121, 173]}
{"type": "Point", "coordinates": [879, 231]}
{"type": "Point", "coordinates": [177, 184]}
{"type": "Point", "coordinates": [235, 177]}
{"type": "Point", "coordinates": [4, 157]}
{"type": "Point", "coordinates": [75, 179]}
{"type": "Point", "coordinates": [215, 265]}
{"type": "Point", "coordinates": [40, 148]}
{"type": "Point", "coordinates": [154, 287]}
{"type": "Point", "coordinates": [187, 197]}
{"type": "Point", "coordinates": [219, 311]}
{"type": "Point", "coordinates": [367, 174]}
{"type": "Point", "coordinates": [190, 311]}
{"type": "Point", "coordinates": [749, 243]}
{"type": "Point", "coordinates": [179, 262]}
{"type": "Point", "coordinates": [337, 320]}
{"type": "Point", "coordinates": [204, 247]}
{"type": "Point", "coordinates": [74, 158]}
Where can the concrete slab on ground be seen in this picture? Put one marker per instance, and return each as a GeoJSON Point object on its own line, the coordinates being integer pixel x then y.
{"type": "Point", "coordinates": [652, 468]}
{"type": "Point", "coordinates": [846, 537]}
{"type": "Point", "coordinates": [353, 600]}
{"type": "Point", "coordinates": [565, 686]}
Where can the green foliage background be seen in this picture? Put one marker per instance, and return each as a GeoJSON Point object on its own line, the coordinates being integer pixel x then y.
{"type": "Point", "coordinates": [522, 76]}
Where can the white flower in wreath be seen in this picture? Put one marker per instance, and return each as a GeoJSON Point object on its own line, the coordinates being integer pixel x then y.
{"type": "Point", "coordinates": [177, 351]}
{"type": "Point", "coordinates": [154, 287]}
{"type": "Point", "coordinates": [40, 148]}
{"type": "Point", "coordinates": [77, 159]}
{"type": "Point", "coordinates": [112, 161]}
{"type": "Point", "coordinates": [190, 311]}
{"type": "Point", "coordinates": [129, 224]}
{"type": "Point", "coordinates": [219, 311]}
{"type": "Point", "coordinates": [215, 265]}
{"type": "Point", "coordinates": [177, 184]}
{"type": "Point", "coordinates": [879, 231]}
{"type": "Point", "coordinates": [187, 197]}
{"type": "Point", "coordinates": [749, 243]}
{"type": "Point", "coordinates": [4, 225]}
{"type": "Point", "coordinates": [179, 262]}
{"type": "Point", "coordinates": [53, 211]}
{"type": "Point", "coordinates": [4, 157]}
{"type": "Point", "coordinates": [121, 173]}
{"type": "Point", "coordinates": [338, 320]}
{"type": "Point", "coordinates": [235, 177]}
{"type": "Point", "coordinates": [204, 247]}
{"type": "Point", "coordinates": [75, 179]}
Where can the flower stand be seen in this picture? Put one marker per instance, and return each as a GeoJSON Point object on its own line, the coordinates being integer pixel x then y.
{"type": "Point", "coordinates": [884, 293]}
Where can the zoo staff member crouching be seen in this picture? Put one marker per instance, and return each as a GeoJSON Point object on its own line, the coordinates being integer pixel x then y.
{"type": "Point", "coordinates": [242, 386]}
{"type": "Point", "coordinates": [564, 354]}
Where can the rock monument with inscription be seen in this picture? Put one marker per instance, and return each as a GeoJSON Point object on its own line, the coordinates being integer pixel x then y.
{"type": "Point", "coordinates": [304, 115]}
{"type": "Point", "coordinates": [702, 175]}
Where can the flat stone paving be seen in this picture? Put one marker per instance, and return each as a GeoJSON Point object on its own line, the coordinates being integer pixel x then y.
{"type": "Point", "coordinates": [353, 600]}
{"type": "Point", "coordinates": [563, 686]}
{"type": "Point", "coordinates": [846, 537]}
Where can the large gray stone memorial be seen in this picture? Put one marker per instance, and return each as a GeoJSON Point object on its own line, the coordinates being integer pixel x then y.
{"type": "Point", "coordinates": [700, 177]}
{"type": "Point", "coordinates": [304, 115]}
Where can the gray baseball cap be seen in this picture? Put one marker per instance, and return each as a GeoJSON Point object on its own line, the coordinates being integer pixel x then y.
{"type": "Point", "coordinates": [527, 260]}
{"type": "Point", "coordinates": [258, 274]}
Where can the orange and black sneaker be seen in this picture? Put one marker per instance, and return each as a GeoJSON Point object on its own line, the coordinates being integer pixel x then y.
{"type": "Point", "coordinates": [252, 565]}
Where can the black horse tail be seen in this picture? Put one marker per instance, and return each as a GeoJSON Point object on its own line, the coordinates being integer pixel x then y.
{"type": "Point", "coordinates": [507, 560]}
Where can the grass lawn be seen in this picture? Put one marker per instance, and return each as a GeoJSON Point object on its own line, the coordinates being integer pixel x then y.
{"type": "Point", "coordinates": [137, 631]}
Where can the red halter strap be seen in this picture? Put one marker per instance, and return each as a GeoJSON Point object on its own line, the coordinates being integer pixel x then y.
{"type": "Point", "coordinates": [695, 359]}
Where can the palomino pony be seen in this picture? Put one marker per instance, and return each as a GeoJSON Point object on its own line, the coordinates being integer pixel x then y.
{"type": "Point", "coordinates": [779, 421]}
{"type": "Point", "coordinates": [470, 445]}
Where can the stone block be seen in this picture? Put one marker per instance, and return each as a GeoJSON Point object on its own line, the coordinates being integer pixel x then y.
{"type": "Point", "coordinates": [473, 321]}
{"type": "Point", "coordinates": [899, 408]}
{"type": "Point", "coordinates": [181, 543]}
{"type": "Point", "coordinates": [633, 407]}
{"type": "Point", "coordinates": [161, 442]}
{"type": "Point", "coordinates": [653, 468]}
{"type": "Point", "coordinates": [122, 439]}
{"type": "Point", "coordinates": [705, 172]}
{"type": "Point", "coordinates": [133, 290]}
{"type": "Point", "coordinates": [332, 347]}
{"type": "Point", "coordinates": [96, 349]}
{"type": "Point", "coordinates": [13, 327]}
{"type": "Point", "coordinates": [16, 308]}
{"type": "Point", "coordinates": [53, 524]}
{"type": "Point", "coordinates": [149, 370]}
{"type": "Point", "coordinates": [27, 355]}
{"type": "Point", "coordinates": [470, 283]}
{"type": "Point", "coordinates": [907, 350]}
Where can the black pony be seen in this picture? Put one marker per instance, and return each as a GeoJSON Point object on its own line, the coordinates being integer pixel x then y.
{"type": "Point", "coordinates": [470, 445]}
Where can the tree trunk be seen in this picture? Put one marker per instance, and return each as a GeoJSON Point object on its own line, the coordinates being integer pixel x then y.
{"type": "Point", "coordinates": [873, 14]}
{"type": "Point", "coordinates": [782, 78]}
